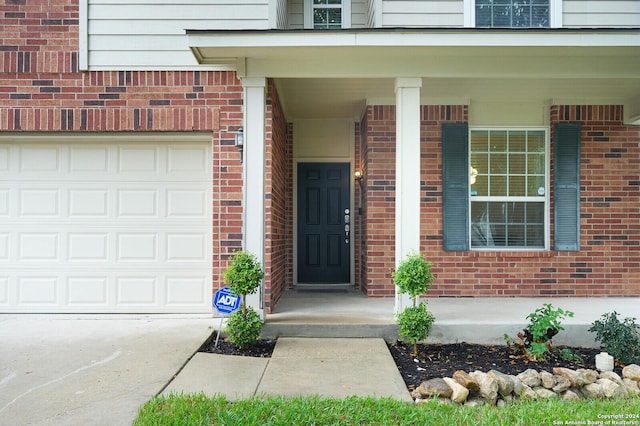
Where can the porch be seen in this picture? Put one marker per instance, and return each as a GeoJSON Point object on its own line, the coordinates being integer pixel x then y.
{"type": "Point", "coordinates": [344, 312]}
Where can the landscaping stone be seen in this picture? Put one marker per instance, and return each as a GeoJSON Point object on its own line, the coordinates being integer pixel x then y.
{"type": "Point", "coordinates": [610, 389]}
{"type": "Point", "coordinates": [593, 390]}
{"type": "Point", "coordinates": [466, 380]}
{"type": "Point", "coordinates": [547, 380]}
{"type": "Point", "coordinates": [632, 387]}
{"type": "Point", "coordinates": [459, 393]}
{"type": "Point", "coordinates": [488, 386]}
{"type": "Point", "coordinates": [497, 388]}
{"type": "Point", "coordinates": [435, 387]}
{"type": "Point", "coordinates": [631, 371]}
{"type": "Point", "coordinates": [530, 378]}
{"type": "Point", "coordinates": [505, 382]}
{"type": "Point", "coordinates": [562, 384]}
{"type": "Point", "coordinates": [545, 393]}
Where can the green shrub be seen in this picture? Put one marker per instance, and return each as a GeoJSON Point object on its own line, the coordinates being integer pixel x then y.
{"type": "Point", "coordinates": [535, 340]}
{"type": "Point", "coordinates": [244, 327]}
{"type": "Point", "coordinates": [244, 276]}
{"type": "Point", "coordinates": [415, 324]}
{"type": "Point", "coordinates": [413, 277]}
{"type": "Point", "coordinates": [620, 339]}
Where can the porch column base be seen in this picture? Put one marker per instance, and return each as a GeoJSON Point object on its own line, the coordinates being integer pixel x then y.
{"type": "Point", "coordinates": [407, 174]}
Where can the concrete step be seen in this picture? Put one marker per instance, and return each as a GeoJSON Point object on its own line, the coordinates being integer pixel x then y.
{"type": "Point", "coordinates": [388, 332]}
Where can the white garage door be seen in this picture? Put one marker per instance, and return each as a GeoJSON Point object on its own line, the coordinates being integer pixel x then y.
{"type": "Point", "coordinates": [105, 225]}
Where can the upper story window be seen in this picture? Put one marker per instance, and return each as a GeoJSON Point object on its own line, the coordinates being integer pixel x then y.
{"type": "Point", "coordinates": [512, 13]}
{"type": "Point", "coordinates": [508, 187]}
{"type": "Point", "coordinates": [327, 14]}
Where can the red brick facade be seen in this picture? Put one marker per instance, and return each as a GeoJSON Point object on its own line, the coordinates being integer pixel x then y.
{"type": "Point", "coordinates": [42, 90]}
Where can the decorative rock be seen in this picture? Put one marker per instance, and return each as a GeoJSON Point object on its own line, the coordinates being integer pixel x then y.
{"type": "Point", "coordinates": [611, 375]}
{"type": "Point", "coordinates": [517, 385]}
{"type": "Point", "coordinates": [593, 390]}
{"type": "Point", "coordinates": [466, 380]}
{"type": "Point", "coordinates": [415, 395]}
{"type": "Point", "coordinates": [631, 386]}
{"type": "Point", "coordinates": [488, 386]}
{"type": "Point", "coordinates": [571, 394]}
{"type": "Point", "coordinates": [459, 393]}
{"type": "Point", "coordinates": [576, 379]}
{"type": "Point", "coordinates": [530, 378]}
{"type": "Point", "coordinates": [435, 387]}
{"type": "Point", "coordinates": [631, 371]}
{"type": "Point", "coordinates": [590, 376]}
{"type": "Point", "coordinates": [475, 401]}
{"type": "Point", "coordinates": [547, 380]}
{"type": "Point", "coordinates": [610, 389]}
{"type": "Point", "coordinates": [501, 403]}
{"type": "Point", "coordinates": [562, 384]}
{"type": "Point", "coordinates": [545, 393]}
{"type": "Point", "coordinates": [505, 382]}
{"type": "Point", "coordinates": [528, 393]}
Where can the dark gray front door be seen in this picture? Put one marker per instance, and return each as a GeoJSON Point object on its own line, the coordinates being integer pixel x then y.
{"type": "Point", "coordinates": [324, 223]}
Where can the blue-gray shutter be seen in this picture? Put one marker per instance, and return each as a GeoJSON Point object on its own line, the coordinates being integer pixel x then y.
{"type": "Point", "coordinates": [455, 186]}
{"type": "Point", "coordinates": [566, 197]}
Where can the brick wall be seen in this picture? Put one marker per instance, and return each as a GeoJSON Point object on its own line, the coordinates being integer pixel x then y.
{"type": "Point", "coordinates": [608, 263]}
{"type": "Point", "coordinates": [278, 201]}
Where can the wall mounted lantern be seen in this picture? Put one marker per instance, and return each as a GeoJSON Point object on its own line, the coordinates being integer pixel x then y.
{"type": "Point", "coordinates": [240, 141]}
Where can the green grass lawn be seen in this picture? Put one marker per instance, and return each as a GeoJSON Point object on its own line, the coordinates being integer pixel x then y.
{"type": "Point", "coordinates": [198, 409]}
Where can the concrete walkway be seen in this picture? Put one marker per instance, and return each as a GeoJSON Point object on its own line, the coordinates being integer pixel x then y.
{"type": "Point", "coordinates": [337, 367]}
{"type": "Point", "coordinates": [90, 369]}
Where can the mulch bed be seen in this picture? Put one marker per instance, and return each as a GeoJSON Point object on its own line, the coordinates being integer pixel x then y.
{"type": "Point", "coordinates": [435, 360]}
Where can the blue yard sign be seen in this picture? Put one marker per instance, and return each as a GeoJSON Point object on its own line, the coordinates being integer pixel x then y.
{"type": "Point", "coordinates": [226, 301]}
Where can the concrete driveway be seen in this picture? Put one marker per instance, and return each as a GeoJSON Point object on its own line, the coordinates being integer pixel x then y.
{"type": "Point", "coordinates": [90, 369]}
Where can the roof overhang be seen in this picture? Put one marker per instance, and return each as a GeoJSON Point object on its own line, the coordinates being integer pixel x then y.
{"type": "Point", "coordinates": [595, 64]}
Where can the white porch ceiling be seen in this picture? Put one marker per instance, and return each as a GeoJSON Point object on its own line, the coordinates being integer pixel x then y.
{"type": "Point", "coordinates": [331, 74]}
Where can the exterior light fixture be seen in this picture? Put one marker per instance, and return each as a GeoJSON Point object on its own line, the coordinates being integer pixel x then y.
{"type": "Point", "coordinates": [240, 141]}
{"type": "Point", "coordinates": [358, 175]}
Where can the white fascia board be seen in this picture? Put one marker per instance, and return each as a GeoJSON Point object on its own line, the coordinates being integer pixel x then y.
{"type": "Point", "coordinates": [448, 38]}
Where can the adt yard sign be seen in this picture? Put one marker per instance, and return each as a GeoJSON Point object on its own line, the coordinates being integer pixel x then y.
{"type": "Point", "coordinates": [226, 301]}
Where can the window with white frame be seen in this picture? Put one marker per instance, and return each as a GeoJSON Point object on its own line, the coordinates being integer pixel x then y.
{"type": "Point", "coordinates": [508, 188]}
{"type": "Point", "coordinates": [512, 13]}
{"type": "Point", "coordinates": [327, 14]}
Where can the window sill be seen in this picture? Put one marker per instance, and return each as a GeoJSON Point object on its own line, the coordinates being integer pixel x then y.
{"type": "Point", "coordinates": [513, 253]}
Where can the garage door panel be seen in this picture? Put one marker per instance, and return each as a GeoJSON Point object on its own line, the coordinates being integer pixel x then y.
{"type": "Point", "coordinates": [88, 203]}
{"type": "Point", "coordinates": [39, 202]}
{"type": "Point", "coordinates": [38, 290]}
{"type": "Point", "coordinates": [88, 159]}
{"type": "Point", "coordinates": [39, 158]}
{"type": "Point", "coordinates": [186, 290]}
{"type": "Point", "coordinates": [120, 227]}
{"type": "Point", "coordinates": [138, 160]}
{"type": "Point", "coordinates": [87, 290]}
{"type": "Point", "coordinates": [39, 246]}
{"type": "Point", "coordinates": [138, 203]}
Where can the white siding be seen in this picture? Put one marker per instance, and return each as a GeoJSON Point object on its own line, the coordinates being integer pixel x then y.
{"type": "Point", "coordinates": [422, 13]}
{"type": "Point", "coordinates": [358, 13]}
{"type": "Point", "coordinates": [150, 34]}
{"type": "Point", "coordinates": [601, 13]}
{"type": "Point", "coordinates": [295, 12]}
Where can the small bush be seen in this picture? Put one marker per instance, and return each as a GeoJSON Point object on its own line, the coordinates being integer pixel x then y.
{"type": "Point", "coordinates": [244, 276]}
{"type": "Point", "coordinates": [415, 324]}
{"type": "Point", "coordinates": [244, 327]}
{"type": "Point", "coordinates": [620, 339]}
{"type": "Point", "coordinates": [414, 277]}
{"type": "Point", "coordinates": [535, 340]}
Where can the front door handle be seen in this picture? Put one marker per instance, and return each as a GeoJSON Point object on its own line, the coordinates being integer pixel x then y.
{"type": "Point", "coordinates": [347, 227]}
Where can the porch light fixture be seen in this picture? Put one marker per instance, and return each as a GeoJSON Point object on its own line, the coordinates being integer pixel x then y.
{"type": "Point", "coordinates": [240, 141]}
{"type": "Point", "coordinates": [358, 175]}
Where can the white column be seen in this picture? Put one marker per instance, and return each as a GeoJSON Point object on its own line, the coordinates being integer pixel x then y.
{"type": "Point", "coordinates": [407, 173]}
{"type": "Point", "coordinates": [254, 175]}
